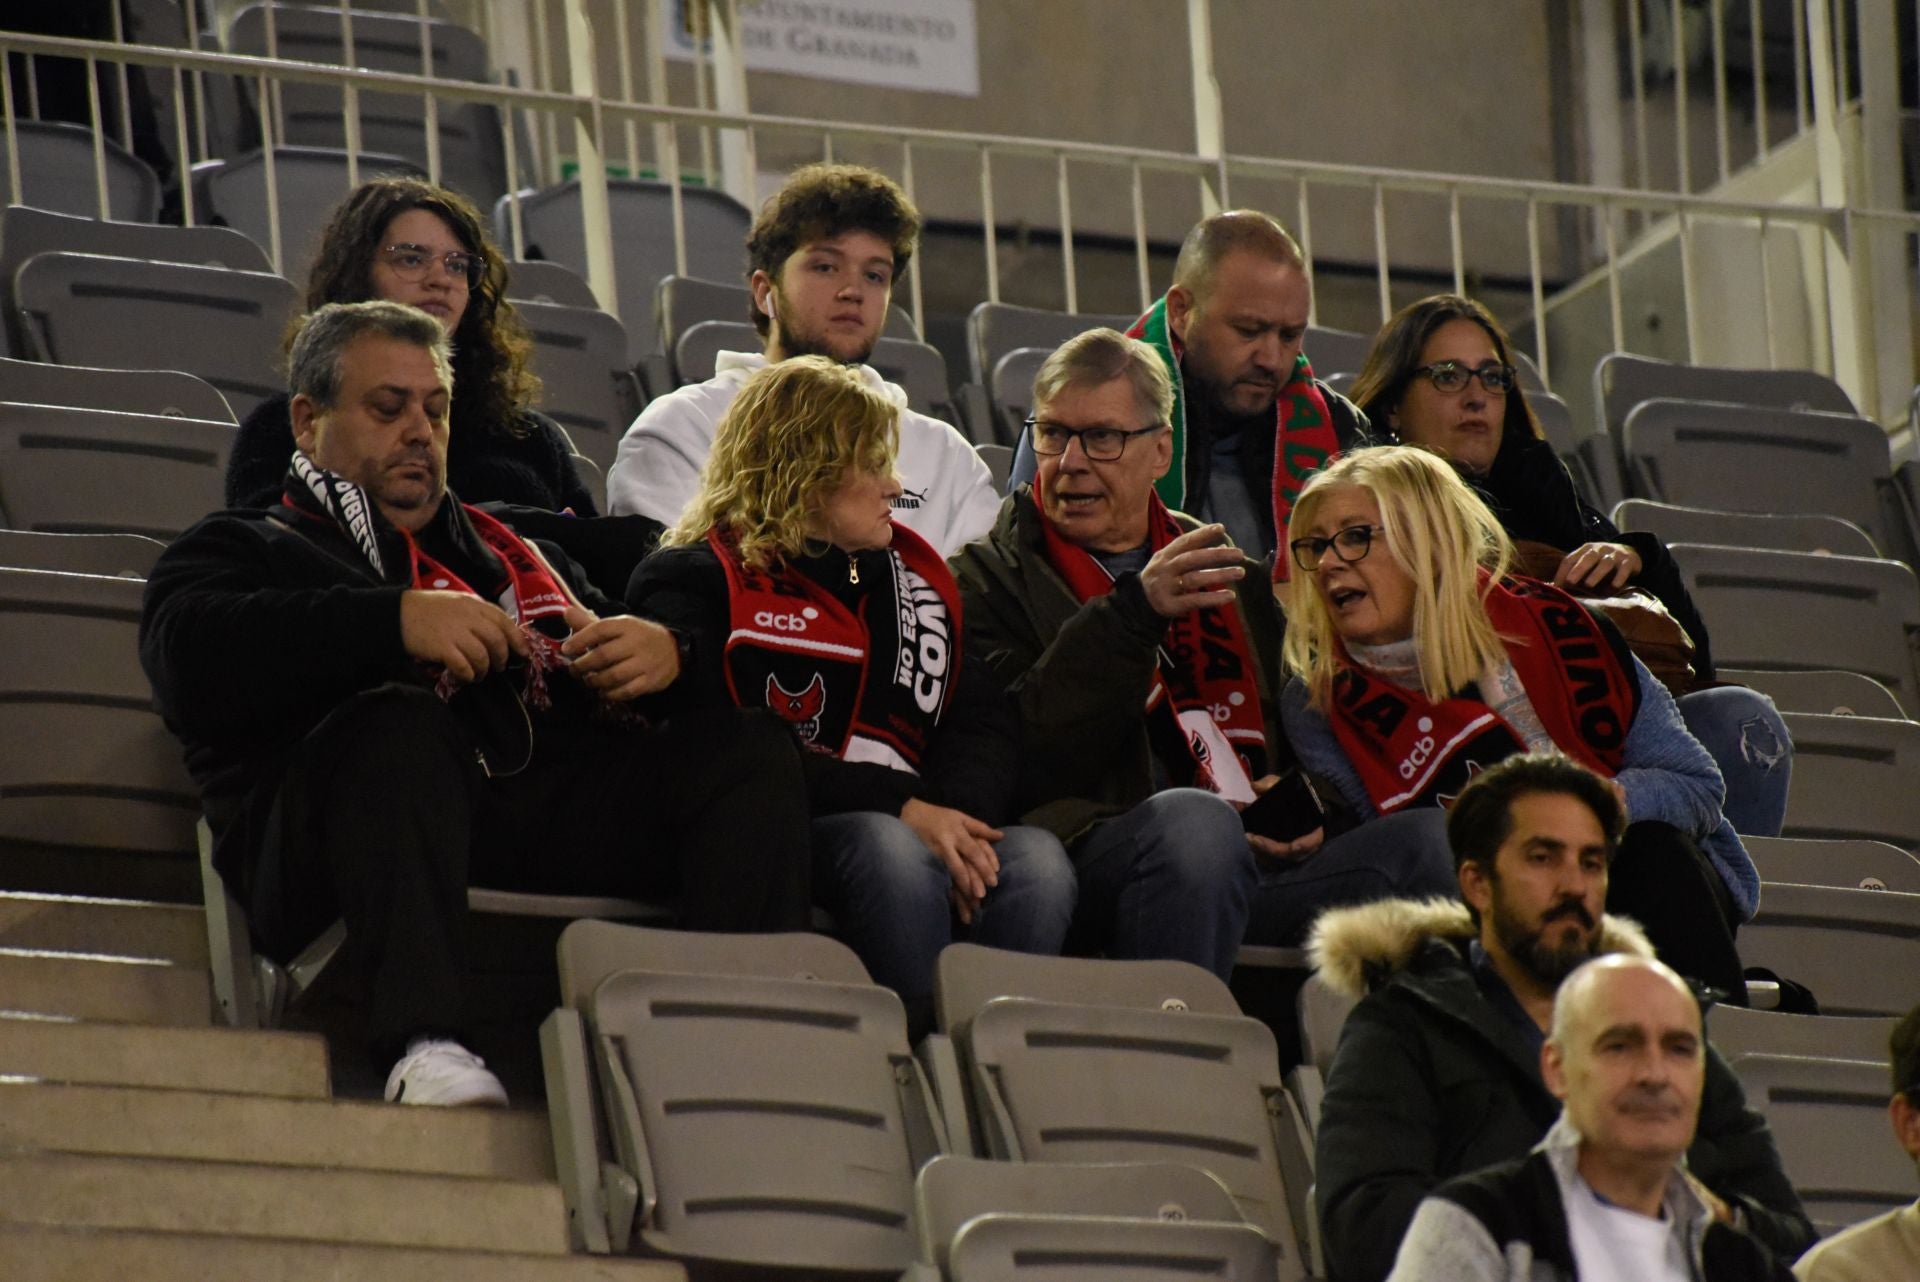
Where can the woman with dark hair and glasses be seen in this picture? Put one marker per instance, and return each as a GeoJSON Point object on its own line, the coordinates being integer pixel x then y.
{"type": "Point", "coordinates": [408, 241]}
{"type": "Point", "coordinates": [1441, 375]}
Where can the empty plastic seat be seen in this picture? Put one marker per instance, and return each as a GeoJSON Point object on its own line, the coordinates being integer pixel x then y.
{"type": "Point", "coordinates": [1323, 1013]}
{"type": "Point", "coordinates": [116, 556]}
{"type": "Point", "coordinates": [1854, 777]}
{"type": "Point", "coordinates": [681, 302]}
{"type": "Point", "coordinates": [122, 313]}
{"type": "Point", "coordinates": [131, 391]}
{"type": "Point", "coordinates": [694, 355]}
{"type": "Point", "coordinates": [920, 371]}
{"type": "Point", "coordinates": [1855, 864]}
{"type": "Point", "coordinates": [994, 329]}
{"type": "Point", "coordinates": [1622, 381]}
{"type": "Point", "coordinates": [68, 471]}
{"type": "Point", "coordinates": [1336, 350]}
{"type": "Point", "coordinates": [1789, 611]}
{"type": "Point", "coordinates": [1038, 1248]}
{"type": "Point", "coordinates": [1012, 388]}
{"type": "Point", "coordinates": [586, 387]}
{"type": "Point", "coordinates": [540, 281]}
{"type": "Point", "coordinates": [1829, 693]}
{"type": "Point", "coordinates": [1858, 950]}
{"type": "Point", "coordinates": [999, 461]}
{"type": "Point", "coordinates": [1737, 1030]}
{"type": "Point", "coordinates": [755, 1119]}
{"type": "Point", "coordinates": [309, 183]}
{"type": "Point", "coordinates": [1804, 532]}
{"type": "Point", "coordinates": [57, 173]}
{"type": "Point", "coordinates": [25, 232]}
{"type": "Point", "coordinates": [969, 976]}
{"type": "Point", "coordinates": [1829, 1120]}
{"type": "Point", "coordinates": [642, 226]}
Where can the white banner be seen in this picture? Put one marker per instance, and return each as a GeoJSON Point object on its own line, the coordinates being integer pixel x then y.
{"type": "Point", "coordinates": [898, 44]}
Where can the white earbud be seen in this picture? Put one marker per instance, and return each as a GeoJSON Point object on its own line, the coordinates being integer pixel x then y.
{"type": "Point", "coordinates": [773, 313]}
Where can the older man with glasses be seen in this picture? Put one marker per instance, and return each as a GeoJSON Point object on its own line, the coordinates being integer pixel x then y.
{"type": "Point", "coordinates": [1140, 646]}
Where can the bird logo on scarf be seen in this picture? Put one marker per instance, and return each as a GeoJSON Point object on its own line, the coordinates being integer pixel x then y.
{"type": "Point", "coordinates": [802, 710]}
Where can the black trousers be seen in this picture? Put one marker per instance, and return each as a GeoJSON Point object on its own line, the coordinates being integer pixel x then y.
{"type": "Point", "coordinates": [386, 817]}
{"type": "Point", "coordinates": [1662, 879]}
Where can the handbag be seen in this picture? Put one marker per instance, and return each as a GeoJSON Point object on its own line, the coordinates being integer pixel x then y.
{"type": "Point", "coordinates": [1656, 638]}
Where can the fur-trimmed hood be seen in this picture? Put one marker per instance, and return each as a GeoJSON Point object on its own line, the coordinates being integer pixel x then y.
{"type": "Point", "coordinates": [1356, 949]}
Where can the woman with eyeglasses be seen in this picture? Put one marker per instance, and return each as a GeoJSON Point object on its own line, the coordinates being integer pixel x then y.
{"type": "Point", "coordinates": [1418, 660]}
{"type": "Point", "coordinates": [1441, 375]}
{"type": "Point", "coordinates": [407, 241]}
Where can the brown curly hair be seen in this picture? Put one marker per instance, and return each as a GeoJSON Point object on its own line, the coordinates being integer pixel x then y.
{"type": "Point", "coordinates": [819, 202]}
{"type": "Point", "coordinates": [491, 381]}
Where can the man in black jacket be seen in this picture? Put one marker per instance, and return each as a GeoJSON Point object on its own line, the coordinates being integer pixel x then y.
{"type": "Point", "coordinates": [1438, 1069]}
{"type": "Point", "coordinates": [387, 695]}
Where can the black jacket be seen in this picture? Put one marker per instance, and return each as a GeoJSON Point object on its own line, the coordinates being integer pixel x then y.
{"type": "Point", "coordinates": [1350, 430]}
{"type": "Point", "coordinates": [1431, 1081]}
{"type": "Point", "coordinates": [969, 763]}
{"type": "Point", "coordinates": [533, 469]}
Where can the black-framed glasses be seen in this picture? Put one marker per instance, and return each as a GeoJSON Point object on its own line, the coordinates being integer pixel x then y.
{"type": "Point", "coordinates": [1349, 545]}
{"type": "Point", "coordinates": [413, 262]}
{"type": "Point", "coordinates": [1101, 444]}
{"type": "Point", "coordinates": [1452, 376]}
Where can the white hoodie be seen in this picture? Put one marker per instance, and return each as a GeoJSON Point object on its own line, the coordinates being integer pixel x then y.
{"type": "Point", "coordinates": [947, 493]}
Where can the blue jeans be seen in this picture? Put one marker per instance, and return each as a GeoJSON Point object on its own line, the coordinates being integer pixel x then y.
{"type": "Point", "coordinates": [1398, 856]}
{"type": "Point", "coordinates": [888, 895]}
{"type": "Point", "coordinates": [1749, 742]}
{"type": "Point", "coordinates": [1170, 878]}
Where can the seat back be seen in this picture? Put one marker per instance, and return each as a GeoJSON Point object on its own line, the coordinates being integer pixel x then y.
{"type": "Point", "coordinates": [1854, 777]}
{"type": "Point", "coordinates": [1788, 611]}
{"type": "Point", "coordinates": [768, 1121]}
{"type": "Point", "coordinates": [694, 355]}
{"type": "Point", "coordinates": [122, 313]}
{"type": "Point", "coordinates": [920, 371]}
{"type": "Point", "coordinates": [1012, 387]}
{"type": "Point", "coordinates": [1622, 381]}
{"type": "Point", "coordinates": [1829, 1121]}
{"type": "Point", "coordinates": [589, 951]}
{"type": "Point", "coordinates": [1850, 864]}
{"type": "Point", "coordinates": [1336, 351]}
{"type": "Point", "coordinates": [1804, 532]}
{"type": "Point", "coordinates": [66, 471]}
{"type": "Point", "coordinates": [308, 182]}
{"type": "Point", "coordinates": [681, 302]}
{"type": "Point", "coordinates": [1858, 950]}
{"type": "Point", "coordinates": [968, 976]}
{"type": "Point", "coordinates": [132, 391]}
{"type": "Point", "coordinates": [1323, 1013]}
{"type": "Point", "coordinates": [1046, 1248]}
{"type": "Point", "coordinates": [114, 556]}
{"type": "Point", "coordinates": [999, 461]}
{"type": "Point", "coordinates": [25, 232]}
{"type": "Point", "coordinates": [540, 281]}
{"type": "Point", "coordinates": [57, 173]}
{"type": "Point", "coordinates": [1830, 693]}
{"type": "Point", "coordinates": [1738, 1030]}
{"type": "Point", "coordinates": [587, 387]}
{"type": "Point", "coordinates": [994, 329]}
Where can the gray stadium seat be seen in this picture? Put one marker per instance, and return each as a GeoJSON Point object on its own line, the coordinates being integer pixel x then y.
{"type": "Point", "coordinates": [586, 386]}
{"type": "Point", "coordinates": [1744, 458]}
{"type": "Point", "coordinates": [122, 313]}
{"type": "Point", "coordinates": [310, 183]}
{"type": "Point", "coordinates": [921, 372]}
{"type": "Point", "coordinates": [381, 42]}
{"type": "Point", "coordinates": [1805, 532]}
{"type": "Point", "coordinates": [681, 302]}
{"type": "Point", "coordinates": [999, 461]}
{"type": "Point", "coordinates": [1622, 381]}
{"type": "Point", "coordinates": [25, 232]}
{"type": "Point", "coordinates": [642, 215]}
{"type": "Point", "coordinates": [539, 281]}
{"type": "Point", "coordinates": [1855, 864]}
{"type": "Point", "coordinates": [131, 391]}
{"type": "Point", "coordinates": [1854, 777]}
{"type": "Point", "coordinates": [1337, 351]}
{"type": "Point", "coordinates": [1830, 693]}
{"type": "Point", "coordinates": [755, 1120]}
{"type": "Point", "coordinates": [1038, 1248]}
{"type": "Point", "coordinates": [94, 795]}
{"type": "Point", "coordinates": [969, 976]}
{"type": "Point", "coordinates": [994, 329]}
{"type": "Point", "coordinates": [694, 355]}
{"type": "Point", "coordinates": [1012, 388]}
{"type": "Point", "coordinates": [1829, 1120]}
{"type": "Point", "coordinates": [1738, 1030]}
{"type": "Point", "coordinates": [1323, 1013]}
{"type": "Point", "coordinates": [1788, 611]}
{"type": "Point", "coordinates": [1858, 950]}
{"type": "Point", "coordinates": [57, 173]}
{"type": "Point", "coordinates": [114, 556]}
{"type": "Point", "coordinates": [69, 471]}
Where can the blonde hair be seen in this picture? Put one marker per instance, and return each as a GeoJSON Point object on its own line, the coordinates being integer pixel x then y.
{"type": "Point", "coordinates": [795, 433]}
{"type": "Point", "coordinates": [1441, 534]}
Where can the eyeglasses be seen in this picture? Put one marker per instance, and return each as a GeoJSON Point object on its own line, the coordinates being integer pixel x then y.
{"type": "Point", "coordinates": [1101, 444]}
{"type": "Point", "coordinates": [1452, 376]}
{"type": "Point", "coordinates": [1349, 545]}
{"type": "Point", "coordinates": [413, 262]}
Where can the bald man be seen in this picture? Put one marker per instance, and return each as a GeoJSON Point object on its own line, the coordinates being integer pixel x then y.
{"type": "Point", "coordinates": [1606, 1195]}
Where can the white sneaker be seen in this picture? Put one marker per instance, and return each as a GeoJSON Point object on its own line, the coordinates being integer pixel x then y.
{"type": "Point", "coordinates": [441, 1072]}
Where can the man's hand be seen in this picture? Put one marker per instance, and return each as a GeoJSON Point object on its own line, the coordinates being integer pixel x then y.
{"type": "Point", "coordinates": [1193, 572]}
{"type": "Point", "coordinates": [623, 657]}
{"type": "Point", "coordinates": [458, 631]}
{"type": "Point", "coordinates": [964, 845]}
{"type": "Point", "coordinates": [1284, 851]}
{"type": "Point", "coordinates": [1598, 565]}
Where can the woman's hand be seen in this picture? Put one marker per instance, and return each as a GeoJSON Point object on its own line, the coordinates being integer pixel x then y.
{"type": "Point", "coordinates": [964, 845]}
{"type": "Point", "coordinates": [1194, 571]}
{"type": "Point", "coordinates": [1267, 847]}
{"type": "Point", "coordinates": [1598, 565]}
{"type": "Point", "coordinates": [622, 657]}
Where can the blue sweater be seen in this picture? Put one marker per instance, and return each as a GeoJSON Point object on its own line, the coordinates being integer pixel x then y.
{"type": "Point", "coordinates": [1668, 776]}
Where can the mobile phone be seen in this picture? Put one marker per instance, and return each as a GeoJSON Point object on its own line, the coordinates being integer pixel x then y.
{"type": "Point", "coordinates": [1287, 811]}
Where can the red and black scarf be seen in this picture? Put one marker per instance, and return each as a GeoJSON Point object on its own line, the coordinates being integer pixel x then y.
{"type": "Point", "coordinates": [1205, 689]}
{"type": "Point", "coordinates": [864, 683]}
{"type": "Point", "coordinates": [1410, 751]}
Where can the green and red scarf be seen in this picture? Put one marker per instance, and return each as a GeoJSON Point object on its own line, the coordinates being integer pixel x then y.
{"type": "Point", "coordinates": [1304, 442]}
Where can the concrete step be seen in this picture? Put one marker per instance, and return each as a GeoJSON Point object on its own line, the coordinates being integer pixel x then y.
{"type": "Point", "coordinates": [245, 1200]}
{"type": "Point", "coordinates": [36, 1254]}
{"type": "Point", "coordinates": [117, 927]}
{"type": "Point", "coordinates": [91, 986]}
{"type": "Point", "coordinates": [266, 1131]}
{"type": "Point", "coordinates": [206, 1059]}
